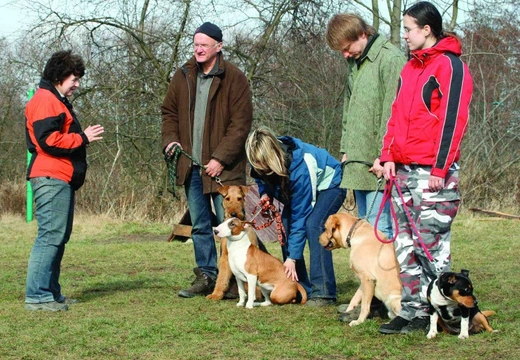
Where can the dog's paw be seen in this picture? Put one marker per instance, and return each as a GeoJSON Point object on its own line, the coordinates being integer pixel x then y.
{"type": "Point", "coordinates": [249, 305]}
{"type": "Point", "coordinates": [240, 303]}
{"type": "Point", "coordinates": [431, 334]}
{"type": "Point", "coordinates": [354, 322]}
{"type": "Point", "coordinates": [262, 303]}
{"type": "Point", "coordinates": [463, 336]}
{"type": "Point", "coordinates": [215, 296]}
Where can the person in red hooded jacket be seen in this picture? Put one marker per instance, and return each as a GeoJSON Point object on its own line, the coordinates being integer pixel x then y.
{"type": "Point", "coordinates": [420, 149]}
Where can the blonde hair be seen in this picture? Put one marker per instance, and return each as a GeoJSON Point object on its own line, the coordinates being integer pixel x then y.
{"type": "Point", "coordinates": [264, 152]}
{"type": "Point", "coordinates": [346, 27]}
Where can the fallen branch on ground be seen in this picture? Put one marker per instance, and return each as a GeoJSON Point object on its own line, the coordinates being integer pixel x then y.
{"type": "Point", "coordinates": [489, 212]}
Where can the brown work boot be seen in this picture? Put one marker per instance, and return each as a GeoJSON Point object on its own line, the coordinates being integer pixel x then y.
{"type": "Point", "coordinates": [232, 292]}
{"type": "Point", "coordinates": [202, 285]}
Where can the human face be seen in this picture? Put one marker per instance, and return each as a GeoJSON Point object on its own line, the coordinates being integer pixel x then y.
{"type": "Point", "coordinates": [206, 49]}
{"type": "Point", "coordinates": [354, 49]}
{"type": "Point", "coordinates": [68, 86]}
{"type": "Point", "coordinates": [417, 37]}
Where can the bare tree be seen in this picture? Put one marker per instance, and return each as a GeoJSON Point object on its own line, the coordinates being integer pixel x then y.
{"type": "Point", "coordinates": [133, 47]}
{"type": "Point", "coordinates": [491, 149]}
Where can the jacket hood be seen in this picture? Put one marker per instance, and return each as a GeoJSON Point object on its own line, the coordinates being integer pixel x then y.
{"type": "Point", "coordinates": [448, 44]}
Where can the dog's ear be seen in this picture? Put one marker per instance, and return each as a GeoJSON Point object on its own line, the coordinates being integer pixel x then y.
{"type": "Point", "coordinates": [335, 223]}
{"type": "Point", "coordinates": [245, 189]}
{"type": "Point", "coordinates": [464, 272]}
{"type": "Point", "coordinates": [330, 226]}
{"type": "Point", "coordinates": [223, 190]}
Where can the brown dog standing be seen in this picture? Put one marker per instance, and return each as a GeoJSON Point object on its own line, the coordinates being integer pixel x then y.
{"type": "Point", "coordinates": [373, 262]}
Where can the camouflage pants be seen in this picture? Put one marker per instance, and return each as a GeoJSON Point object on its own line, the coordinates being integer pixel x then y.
{"type": "Point", "coordinates": [432, 213]}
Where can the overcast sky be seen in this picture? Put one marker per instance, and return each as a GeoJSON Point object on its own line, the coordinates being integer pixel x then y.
{"type": "Point", "coordinates": [12, 19]}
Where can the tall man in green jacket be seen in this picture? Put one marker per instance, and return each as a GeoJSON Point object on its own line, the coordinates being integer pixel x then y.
{"type": "Point", "coordinates": [374, 65]}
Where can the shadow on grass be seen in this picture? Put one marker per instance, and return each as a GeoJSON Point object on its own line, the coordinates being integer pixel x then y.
{"type": "Point", "coordinates": [109, 288]}
{"type": "Point", "coordinates": [348, 286]}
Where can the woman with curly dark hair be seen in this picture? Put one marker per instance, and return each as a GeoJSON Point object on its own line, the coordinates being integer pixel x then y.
{"type": "Point", "coordinates": [57, 169]}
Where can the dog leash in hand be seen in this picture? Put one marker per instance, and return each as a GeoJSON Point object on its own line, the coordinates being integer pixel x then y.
{"type": "Point", "coordinates": [172, 161]}
{"type": "Point", "coordinates": [387, 196]}
{"type": "Point", "coordinates": [269, 211]}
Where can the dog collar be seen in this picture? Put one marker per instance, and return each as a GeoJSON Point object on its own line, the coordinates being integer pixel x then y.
{"type": "Point", "coordinates": [438, 283]}
{"type": "Point", "coordinates": [351, 231]}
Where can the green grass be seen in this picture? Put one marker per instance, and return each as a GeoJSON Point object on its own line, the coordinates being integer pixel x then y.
{"type": "Point", "coordinates": [126, 276]}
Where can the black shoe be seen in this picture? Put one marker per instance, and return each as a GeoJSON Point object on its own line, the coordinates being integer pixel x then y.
{"type": "Point", "coordinates": [417, 324]}
{"type": "Point", "coordinates": [202, 285]}
{"type": "Point", "coordinates": [320, 302]}
{"type": "Point", "coordinates": [351, 315]}
{"type": "Point", "coordinates": [354, 314]}
{"type": "Point", "coordinates": [394, 327]}
{"type": "Point", "coordinates": [378, 310]}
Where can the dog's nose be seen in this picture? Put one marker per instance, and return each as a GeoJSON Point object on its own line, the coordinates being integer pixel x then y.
{"type": "Point", "coordinates": [215, 232]}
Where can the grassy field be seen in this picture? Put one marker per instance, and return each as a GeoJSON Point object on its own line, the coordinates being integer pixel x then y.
{"type": "Point", "coordinates": [126, 277]}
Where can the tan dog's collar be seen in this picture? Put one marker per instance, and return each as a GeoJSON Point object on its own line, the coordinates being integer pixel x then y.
{"type": "Point", "coordinates": [351, 231]}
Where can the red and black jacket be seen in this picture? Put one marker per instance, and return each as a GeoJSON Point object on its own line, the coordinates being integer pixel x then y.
{"type": "Point", "coordinates": [54, 138]}
{"type": "Point", "coordinates": [430, 112]}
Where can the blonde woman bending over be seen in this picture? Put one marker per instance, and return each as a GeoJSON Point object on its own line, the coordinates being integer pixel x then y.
{"type": "Point", "coordinates": [306, 180]}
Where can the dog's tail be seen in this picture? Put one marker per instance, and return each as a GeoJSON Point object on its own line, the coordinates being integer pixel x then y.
{"type": "Point", "coordinates": [303, 293]}
{"type": "Point", "coordinates": [488, 313]}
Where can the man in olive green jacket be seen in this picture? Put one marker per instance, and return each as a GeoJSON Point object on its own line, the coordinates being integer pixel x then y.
{"type": "Point", "coordinates": [374, 65]}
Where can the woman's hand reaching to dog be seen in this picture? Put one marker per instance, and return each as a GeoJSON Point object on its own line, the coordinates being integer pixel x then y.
{"type": "Point", "coordinates": [290, 269]}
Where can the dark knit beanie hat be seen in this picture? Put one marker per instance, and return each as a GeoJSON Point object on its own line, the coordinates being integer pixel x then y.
{"type": "Point", "coordinates": [212, 30]}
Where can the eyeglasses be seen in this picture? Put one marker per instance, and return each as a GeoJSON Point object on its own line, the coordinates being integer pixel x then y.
{"type": "Point", "coordinates": [204, 46]}
{"type": "Point", "coordinates": [406, 30]}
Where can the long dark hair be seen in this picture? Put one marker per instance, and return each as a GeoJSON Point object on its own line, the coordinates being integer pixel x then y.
{"type": "Point", "coordinates": [425, 13]}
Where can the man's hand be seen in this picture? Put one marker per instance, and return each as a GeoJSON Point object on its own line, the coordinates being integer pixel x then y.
{"type": "Point", "coordinates": [376, 168]}
{"type": "Point", "coordinates": [171, 147]}
{"type": "Point", "coordinates": [214, 168]}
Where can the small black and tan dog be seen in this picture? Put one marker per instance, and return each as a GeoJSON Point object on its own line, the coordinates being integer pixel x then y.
{"type": "Point", "coordinates": [454, 307]}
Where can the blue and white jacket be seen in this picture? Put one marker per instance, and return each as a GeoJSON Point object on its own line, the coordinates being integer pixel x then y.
{"type": "Point", "coordinates": [311, 170]}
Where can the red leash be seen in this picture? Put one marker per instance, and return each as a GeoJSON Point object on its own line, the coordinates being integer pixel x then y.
{"type": "Point", "coordinates": [387, 196]}
{"type": "Point", "coordinates": [269, 211]}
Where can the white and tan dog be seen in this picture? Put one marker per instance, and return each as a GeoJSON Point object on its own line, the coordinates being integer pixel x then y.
{"type": "Point", "coordinates": [373, 262]}
{"type": "Point", "coordinates": [250, 264]}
